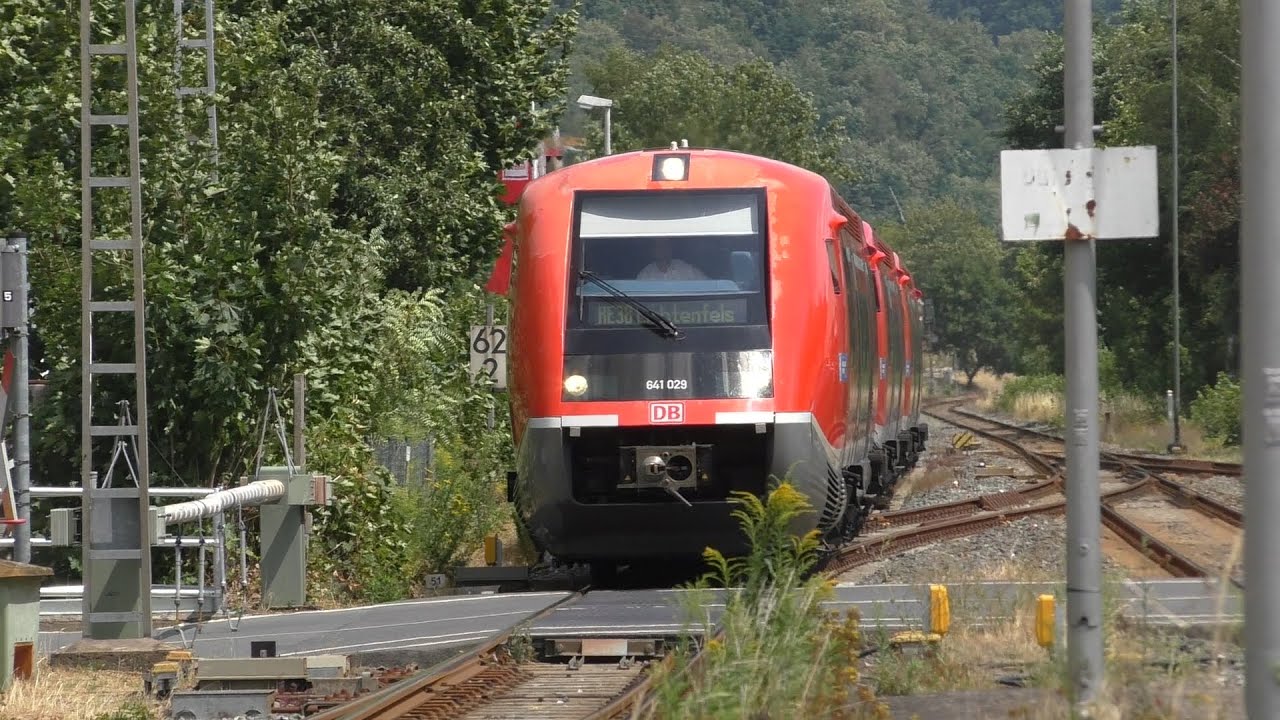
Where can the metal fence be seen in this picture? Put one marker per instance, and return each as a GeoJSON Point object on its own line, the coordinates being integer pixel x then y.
{"type": "Point", "coordinates": [410, 462]}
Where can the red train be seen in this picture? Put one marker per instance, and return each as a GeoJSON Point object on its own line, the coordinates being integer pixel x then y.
{"type": "Point", "coordinates": [689, 322]}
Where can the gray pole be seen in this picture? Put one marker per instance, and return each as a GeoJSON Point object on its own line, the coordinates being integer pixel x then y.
{"type": "Point", "coordinates": [488, 324]}
{"type": "Point", "coordinates": [608, 131]}
{"type": "Point", "coordinates": [1260, 349]}
{"type": "Point", "coordinates": [1173, 203]}
{"type": "Point", "coordinates": [21, 409]}
{"type": "Point", "coordinates": [300, 419]}
{"type": "Point", "coordinates": [1084, 514]}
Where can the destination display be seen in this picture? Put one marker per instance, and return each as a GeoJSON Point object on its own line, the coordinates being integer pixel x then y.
{"type": "Point", "coordinates": [603, 313]}
{"type": "Point", "coordinates": [739, 374]}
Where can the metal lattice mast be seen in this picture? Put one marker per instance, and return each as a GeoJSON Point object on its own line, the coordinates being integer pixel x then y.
{"type": "Point", "coordinates": [208, 91]}
{"type": "Point", "coordinates": [116, 520]}
{"type": "Point", "coordinates": [210, 73]}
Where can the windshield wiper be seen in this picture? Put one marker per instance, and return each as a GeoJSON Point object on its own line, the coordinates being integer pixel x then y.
{"type": "Point", "coordinates": [658, 319]}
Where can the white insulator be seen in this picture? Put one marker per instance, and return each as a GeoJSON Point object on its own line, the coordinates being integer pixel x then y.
{"type": "Point", "coordinates": [254, 493]}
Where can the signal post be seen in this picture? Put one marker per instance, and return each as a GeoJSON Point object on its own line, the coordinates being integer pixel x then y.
{"type": "Point", "coordinates": [1076, 195]}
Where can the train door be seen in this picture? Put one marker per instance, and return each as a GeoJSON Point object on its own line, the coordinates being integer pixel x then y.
{"type": "Point", "coordinates": [882, 395]}
{"type": "Point", "coordinates": [917, 334]}
{"type": "Point", "coordinates": [862, 332]}
{"type": "Point", "coordinates": [839, 283]}
{"type": "Point", "coordinates": [892, 305]}
{"type": "Point", "coordinates": [909, 354]}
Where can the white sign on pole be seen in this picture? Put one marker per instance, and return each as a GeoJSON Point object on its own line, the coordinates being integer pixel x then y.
{"type": "Point", "coordinates": [1104, 193]}
{"type": "Point", "coordinates": [489, 353]}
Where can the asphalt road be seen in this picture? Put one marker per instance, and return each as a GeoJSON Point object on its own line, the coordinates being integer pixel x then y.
{"type": "Point", "coordinates": [429, 630]}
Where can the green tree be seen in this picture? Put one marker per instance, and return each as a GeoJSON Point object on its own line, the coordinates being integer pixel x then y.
{"type": "Point", "coordinates": [918, 94]}
{"type": "Point", "coordinates": [428, 101]}
{"type": "Point", "coordinates": [749, 107]}
{"type": "Point", "coordinates": [958, 263]}
{"type": "Point", "coordinates": [1132, 62]}
{"type": "Point", "coordinates": [1006, 16]}
{"type": "Point", "coordinates": [357, 154]}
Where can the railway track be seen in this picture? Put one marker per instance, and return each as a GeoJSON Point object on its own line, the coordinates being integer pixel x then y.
{"type": "Point", "coordinates": [1109, 458]}
{"type": "Point", "coordinates": [498, 680]}
{"type": "Point", "coordinates": [1189, 513]}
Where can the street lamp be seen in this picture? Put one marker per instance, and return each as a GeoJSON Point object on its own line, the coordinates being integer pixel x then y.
{"type": "Point", "coordinates": [591, 102]}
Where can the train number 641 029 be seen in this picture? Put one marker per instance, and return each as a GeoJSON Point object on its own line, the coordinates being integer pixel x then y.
{"type": "Point", "coordinates": [666, 384]}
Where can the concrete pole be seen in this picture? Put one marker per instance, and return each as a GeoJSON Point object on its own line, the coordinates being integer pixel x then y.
{"type": "Point", "coordinates": [22, 408]}
{"type": "Point", "coordinates": [608, 131]}
{"type": "Point", "coordinates": [1176, 445]}
{"type": "Point", "coordinates": [1084, 512]}
{"type": "Point", "coordinates": [1260, 349]}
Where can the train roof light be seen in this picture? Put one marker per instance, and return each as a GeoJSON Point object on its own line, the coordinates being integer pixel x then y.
{"type": "Point", "coordinates": [671, 166]}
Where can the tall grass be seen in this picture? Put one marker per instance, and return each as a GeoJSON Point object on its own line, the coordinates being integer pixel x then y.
{"type": "Point", "coordinates": [1128, 419]}
{"type": "Point", "coordinates": [83, 694]}
{"type": "Point", "coordinates": [780, 654]}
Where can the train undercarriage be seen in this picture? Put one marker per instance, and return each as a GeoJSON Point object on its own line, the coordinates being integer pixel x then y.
{"type": "Point", "coordinates": [655, 496]}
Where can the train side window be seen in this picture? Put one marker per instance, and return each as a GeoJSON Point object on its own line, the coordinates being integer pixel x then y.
{"type": "Point", "coordinates": [832, 263]}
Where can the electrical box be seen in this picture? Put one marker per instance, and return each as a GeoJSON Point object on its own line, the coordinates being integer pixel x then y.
{"type": "Point", "coordinates": [155, 516]}
{"type": "Point", "coordinates": [64, 526]}
{"type": "Point", "coordinates": [321, 490]}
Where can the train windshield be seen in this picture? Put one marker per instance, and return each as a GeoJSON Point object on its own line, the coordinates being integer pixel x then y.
{"type": "Point", "coordinates": [695, 257]}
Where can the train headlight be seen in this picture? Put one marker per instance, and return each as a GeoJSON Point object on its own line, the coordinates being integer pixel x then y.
{"type": "Point", "coordinates": [575, 385]}
{"type": "Point", "coordinates": [671, 167]}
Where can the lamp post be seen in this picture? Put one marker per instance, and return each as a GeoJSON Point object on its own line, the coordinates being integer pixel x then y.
{"type": "Point", "coordinates": [591, 102]}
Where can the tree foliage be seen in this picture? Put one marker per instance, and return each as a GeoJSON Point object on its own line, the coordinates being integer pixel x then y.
{"type": "Point", "coordinates": [1006, 16]}
{"type": "Point", "coordinates": [1134, 83]}
{"type": "Point", "coordinates": [749, 107]}
{"type": "Point", "coordinates": [918, 94]}
{"type": "Point", "coordinates": [962, 267]}
{"type": "Point", "coordinates": [359, 146]}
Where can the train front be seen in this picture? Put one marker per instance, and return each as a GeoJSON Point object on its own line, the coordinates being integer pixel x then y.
{"type": "Point", "coordinates": [642, 361]}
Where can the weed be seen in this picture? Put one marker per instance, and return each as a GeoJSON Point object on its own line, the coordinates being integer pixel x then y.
{"type": "Point", "coordinates": [132, 711]}
{"type": "Point", "coordinates": [520, 645]}
{"type": "Point", "coordinates": [772, 619]}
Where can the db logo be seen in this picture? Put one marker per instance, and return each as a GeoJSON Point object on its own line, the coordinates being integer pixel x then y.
{"type": "Point", "coordinates": [669, 412]}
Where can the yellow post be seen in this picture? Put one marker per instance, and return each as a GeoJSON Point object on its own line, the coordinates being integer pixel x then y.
{"type": "Point", "coordinates": [939, 609]}
{"type": "Point", "coordinates": [490, 549]}
{"type": "Point", "coordinates": [1045, 617]}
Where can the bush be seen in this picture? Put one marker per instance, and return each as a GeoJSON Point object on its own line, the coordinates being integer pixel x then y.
{"type": "Point", "coordinates": [379, 540]}
{"type": "Point", "coordinates": [462, 502]}
{"type": "Point", "coordinates": [1034, 397]}
{"type": "Point", "coordinates": [1217, 409]}
{"type": "Point", "coordinates": [772, 619]}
